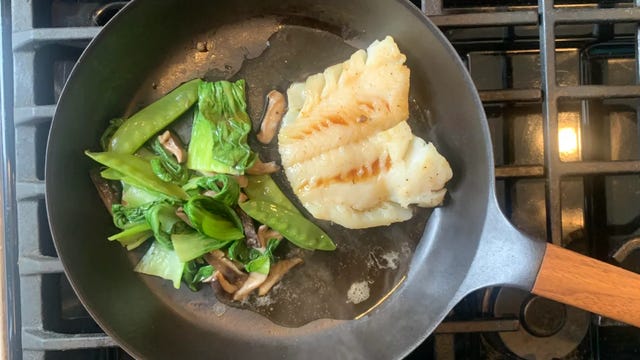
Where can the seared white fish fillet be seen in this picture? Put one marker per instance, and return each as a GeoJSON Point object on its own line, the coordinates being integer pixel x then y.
{"type": "Point", "coordinates": [347, 149]}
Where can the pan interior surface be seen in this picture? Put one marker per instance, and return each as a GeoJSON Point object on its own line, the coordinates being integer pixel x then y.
{"type": "Point", "coordinates": [270, 46]}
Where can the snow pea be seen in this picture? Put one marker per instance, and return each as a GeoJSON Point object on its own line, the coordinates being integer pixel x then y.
{"type": "Point", "coordinates": [137, 172]}
{"type": "Point", "coordinates": [141, 126]}
{"type": "Point", "coordinates": [292, 225]}
{"type": "Point", "coordinates": [263, 188]}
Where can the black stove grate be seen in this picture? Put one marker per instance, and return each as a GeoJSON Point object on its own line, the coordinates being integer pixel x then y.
{"type": "Point", "coordinates": [46, 38]}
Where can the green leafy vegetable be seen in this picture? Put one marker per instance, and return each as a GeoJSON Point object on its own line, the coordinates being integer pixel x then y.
{"type": "Point", "coordinates": [137, 172]}
{"type": "Point", "coordinates": [136, 240]}
{"type": "Point", "coordinates": [133, 236]}
{"type": "Point", "coordinates": [213, 218]}
{"type": "Point", "coordinates": [162, 262]}
{"type": "Point", "coordinates": [162, 217]}
{"type": "Point", "coordinates": [114, 124]}
{"type": "Point", "coordinates": [239, 251]}
{"type": "Point", "coordinates": [166, 167]}
{"type": "Point", "coordinates": [194, 274]}
{"type": "Point", "coordinates": [134, 196]}
{"type": "Point", "coordinates": [261, 262]}
{"type": "Point", "coordinates": [220, 129]}
{"type": "Point", "coordinates": [126, 216]}
{"type": "Point", "coordinates": [140, 127]}
{"type": "Point", "coordinates": [192, 245]}
{"type": "Point", "coordinates": [132, 230]}
{"type": "Point", "coordinates": [225, 187]}
{"type": "Point", "coordinates": [293, 226]}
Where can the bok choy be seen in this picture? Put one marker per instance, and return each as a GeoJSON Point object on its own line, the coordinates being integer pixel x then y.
{"type": "Point", "coordinates": [220, 129]}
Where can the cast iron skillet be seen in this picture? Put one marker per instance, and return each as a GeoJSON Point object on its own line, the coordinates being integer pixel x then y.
{"type": "Point", "coordinates": [467, 243]}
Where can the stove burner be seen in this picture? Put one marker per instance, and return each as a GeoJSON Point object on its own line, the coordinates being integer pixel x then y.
{"type": "Point", "coordinates": [543, 317]}
{"type": "Point", "coordinates": [549, 329]}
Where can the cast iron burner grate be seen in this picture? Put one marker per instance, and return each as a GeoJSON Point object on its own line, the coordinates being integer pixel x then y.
{"type": "Point", "coordinates": [560, 89]}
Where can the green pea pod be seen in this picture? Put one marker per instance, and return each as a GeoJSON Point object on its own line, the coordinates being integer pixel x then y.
{"type": "Point", "coordinates": [141, 126]}
{"type": "Point", "coordinates": [293, 226]}
{"type": "Point", "coordinates": [263, 188]}
{"type": "Point", "coordinates": [213, 218]}
{"type": "Point", "coordinates": [111, 174]}
{"type": "Point", "coordinates": [137, 172]}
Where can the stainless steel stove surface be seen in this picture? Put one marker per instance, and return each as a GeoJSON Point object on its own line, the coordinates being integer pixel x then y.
{"type": "Point", "coordinates": [560, 89]}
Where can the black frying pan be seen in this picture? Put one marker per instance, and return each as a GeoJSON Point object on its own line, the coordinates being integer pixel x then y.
{"type": "Point", "coordinates": [150, 47]}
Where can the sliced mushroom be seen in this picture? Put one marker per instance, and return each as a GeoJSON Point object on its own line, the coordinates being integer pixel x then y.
{"type": "Point", "coordinates": [173, 145]}
{"type": "Point", "coordinates": [183, 216]}
{"type": "Point", "coordinates": [226, 267]}
{"type": "Point", "coordinates": [242, 198]}
{"type": "Point", "coordinates": [260, 168]}
{"type": "Point", "coordinates": [276, 273]}
{"type": "Point", "coordinates": [253, 282]}
{"type": "Point", "coordinates": [224, 284]}
{"type": "Point", "coordinates": [242, 180]}
{"type": "Point", "coordinates": [272, 116]}
{"type": "Point", "coordinates": [250, 236]}
{"type": "Point", "coordinates": [265, 233]}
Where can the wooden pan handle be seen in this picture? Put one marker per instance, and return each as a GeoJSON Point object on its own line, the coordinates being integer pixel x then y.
{"type": "Point", "coordinates": [583, 282]}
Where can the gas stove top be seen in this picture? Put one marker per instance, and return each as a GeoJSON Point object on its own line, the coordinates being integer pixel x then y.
{"type": "Point", "coordinates": [560, 89]}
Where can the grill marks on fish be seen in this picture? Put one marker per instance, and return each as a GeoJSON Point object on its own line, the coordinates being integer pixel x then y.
{"type": "Point", "coordinates": [319, 126]}
{"type": "Point", "coordinates": [354, 175]}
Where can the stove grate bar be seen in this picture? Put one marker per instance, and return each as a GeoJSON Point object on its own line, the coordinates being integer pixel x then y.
{"type": "Point", "coordinates": [550, 120]}
{"type": "Point", "coordinates": [597, 91]}
{"type": "Point", "coordinates": [519, 171]}
{"type": "Point", "coordinates": [586, 16]}
{"type": "Point", "coordinates": [33, 115]}
{"type": "Point", "coordinates": [42, 340]}
{"type": "Point", "coordinates": [29, 190]}
{"type": "Point", "coordinates": [39, 264]}
{"type": "Point", "coordinates": [530, 17]}
{"type": "Point", "coordinates": [486, 19]}
{"type": "Point", "coordinates": [29, 39]}
{"type": "Point", "coordinates": [598, 167]}
{"type": "Point", "coordinates": [507, 95]}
